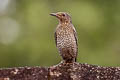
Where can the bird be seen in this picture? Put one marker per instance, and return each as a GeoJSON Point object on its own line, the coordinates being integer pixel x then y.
{"type": "Point", "coordinates": [66, 37]}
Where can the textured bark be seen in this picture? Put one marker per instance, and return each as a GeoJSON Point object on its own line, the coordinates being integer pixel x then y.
{"type": "Point", "coordinates": [62, 71]}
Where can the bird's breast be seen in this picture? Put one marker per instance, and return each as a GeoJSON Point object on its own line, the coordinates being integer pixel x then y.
{"type": "Point", "coordinates": [65, 38]}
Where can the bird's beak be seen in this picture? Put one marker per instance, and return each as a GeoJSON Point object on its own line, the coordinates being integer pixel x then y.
{"type": "Point", "coordinates": [53, 14]}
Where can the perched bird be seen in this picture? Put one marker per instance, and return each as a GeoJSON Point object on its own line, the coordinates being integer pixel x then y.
{"type": "Point", "coordinates": [66, 37]}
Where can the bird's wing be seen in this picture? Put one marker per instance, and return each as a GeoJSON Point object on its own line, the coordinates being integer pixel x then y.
{"type": "Point", "coordinates": [55, 36]}
{"type": "Point", "coordinates": [76, 39]}
{"type": "Point", "coordinates": [75, 35]}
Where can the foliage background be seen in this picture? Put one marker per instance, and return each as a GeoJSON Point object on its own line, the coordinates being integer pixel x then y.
{"type": "Point", "coordinates": [27, 31]}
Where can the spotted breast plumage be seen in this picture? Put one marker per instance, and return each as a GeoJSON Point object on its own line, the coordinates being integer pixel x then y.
{"type": "Point", "coordinates": [66, 37]}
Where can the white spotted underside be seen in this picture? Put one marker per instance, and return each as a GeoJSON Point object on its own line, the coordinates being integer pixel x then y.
{"type": "Point", "coordinates": [66, 42]}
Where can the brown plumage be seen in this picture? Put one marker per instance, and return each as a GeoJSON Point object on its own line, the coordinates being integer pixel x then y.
{"type": "Point", "coordinates": [65, 37]}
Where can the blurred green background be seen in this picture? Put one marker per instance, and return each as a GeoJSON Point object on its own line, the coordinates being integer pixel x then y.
{"type": "Point", "coordinates": [27, 31]}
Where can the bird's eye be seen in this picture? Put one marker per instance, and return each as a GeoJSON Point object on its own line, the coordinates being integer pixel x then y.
{"type": "Point", "coordinates": [63, 14]}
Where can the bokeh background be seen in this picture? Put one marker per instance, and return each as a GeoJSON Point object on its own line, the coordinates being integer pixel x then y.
{"type": "Point", "coordinates": [27, 31]}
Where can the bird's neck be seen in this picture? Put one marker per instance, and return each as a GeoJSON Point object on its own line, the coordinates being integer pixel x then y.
{"type": "Point", "coordinates": [65, 22]}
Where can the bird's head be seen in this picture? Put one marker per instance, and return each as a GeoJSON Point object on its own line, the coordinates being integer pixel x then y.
{"type": "Point", "coordinates": [63, 17]}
